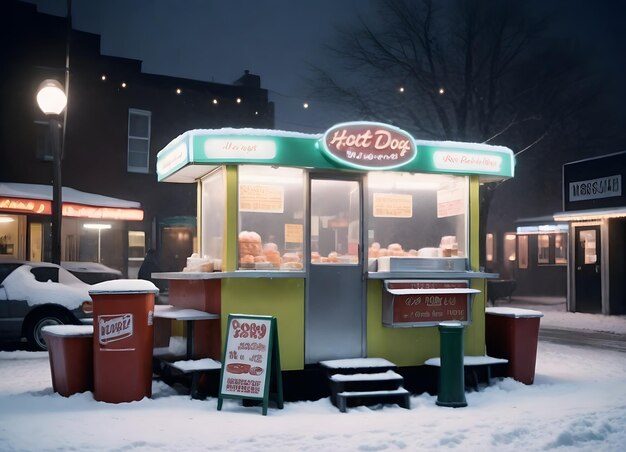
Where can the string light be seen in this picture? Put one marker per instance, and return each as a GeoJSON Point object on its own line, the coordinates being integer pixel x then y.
{"type": "Point", "coordinates": [123, 84]}
{"type": "Point", "coordinates": [442, 91]}
{"type": "Point", "coordinates": [401, 89]}
{"type": "Point", "coordinates": [305, 105]}
{"type": "Point", "coordinates": [103, 77]}
{"type": "Point", "coordinates": [214, 101]}
{"type": "Point", "coordinates": [239, 100]}
{"type": "Point", "coordinates": [179, 91]}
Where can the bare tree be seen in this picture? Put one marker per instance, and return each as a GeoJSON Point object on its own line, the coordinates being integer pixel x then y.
{"type": "Point", "coordinates": [491, 71]}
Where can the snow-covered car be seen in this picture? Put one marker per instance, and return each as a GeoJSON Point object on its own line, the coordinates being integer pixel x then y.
{"type": "Point", "coordinates": [38, 294]}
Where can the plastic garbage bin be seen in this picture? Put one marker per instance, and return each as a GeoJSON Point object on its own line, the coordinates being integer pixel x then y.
{"type": "Point", "coordinates": [70, 351]}
{"type": "Point", "coordinates": [513, 334]}
{"type": "Point", "coordinates": [123, 313]}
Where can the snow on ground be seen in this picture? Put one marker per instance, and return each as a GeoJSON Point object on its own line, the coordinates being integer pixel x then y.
{"type": "Point", "coordinates": [577, 403]}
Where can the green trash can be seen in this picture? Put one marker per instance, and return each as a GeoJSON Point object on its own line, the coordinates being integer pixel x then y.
{"type": "Point", "coordinates": [513, 333]}
{"type": "Point", "coordinates": [452, 373]}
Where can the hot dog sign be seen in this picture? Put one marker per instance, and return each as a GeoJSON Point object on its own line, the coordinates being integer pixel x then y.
{"type": "Point", "coordinates": [251, 359]}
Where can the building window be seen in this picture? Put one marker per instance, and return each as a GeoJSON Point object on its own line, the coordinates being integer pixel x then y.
{"type": "Point", "coordinates": [138, 140]}
{"type": "Point", "coordinates": [489, 248]}
{"type": "Point", "coordinates": [522, 251]}
{"type": "Point", "coordinates": [509, 247]}
{"type": "Point", "coordinates": [136, 245]}
{"type": "Point", "coordinates": [560, 249]}
{"type": "Point", "coordinates": [543, 249]}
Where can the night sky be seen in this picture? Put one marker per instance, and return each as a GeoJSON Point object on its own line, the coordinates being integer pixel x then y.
{"type": "Point", "coordinates": [278, 40]}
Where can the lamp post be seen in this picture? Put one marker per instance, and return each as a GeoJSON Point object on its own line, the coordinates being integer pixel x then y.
{"type": "Point", "coordinates": [51, 99]}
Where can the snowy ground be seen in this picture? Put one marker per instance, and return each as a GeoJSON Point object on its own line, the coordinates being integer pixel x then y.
{"type": "Point", "coordinates": [578, 402]}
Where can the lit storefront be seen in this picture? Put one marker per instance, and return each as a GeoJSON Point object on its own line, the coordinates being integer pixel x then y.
{"type": "Point", "coordinates": [95, 228]}
{"type": "Point", "coordinates": [594, 205]}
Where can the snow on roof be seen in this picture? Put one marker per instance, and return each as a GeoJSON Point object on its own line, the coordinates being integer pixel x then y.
{"type": "Point", "coordinates": [128, 286]}
{"type": "Point", "coordinates": [22, 285]}
{"type": "Point", "coordinates": [44, 192]}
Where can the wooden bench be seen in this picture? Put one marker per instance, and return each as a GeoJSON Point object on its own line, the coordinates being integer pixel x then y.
{"type": "Point", "coordinates": [192, 366]}
{"type": "Point", "coordinates": [470, 363]}
{"type": "Point", "coordinates": [195, 367]}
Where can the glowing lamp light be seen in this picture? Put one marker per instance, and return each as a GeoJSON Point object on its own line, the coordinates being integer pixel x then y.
{"type": "Point", "coordinates": [401, 89]}
{"type": "Point", "coordinates": [123, 84]}
{"type": "Point", "coordinates": [305, 105]}
{"type": "Point", "coordinates": [103, 78]}
{"type": "Point", "coordinates": [179, 91]}
{"type": "Point", "coordinates": [51, 97]}
{"type": "Point", "coordinates": [4, 219]}
{"type": "Point", "coordinates": [239, 100]}
{"type": "Point", "coordinates": [99, 226]}
{"type": "Point", "coordinates": [442, 91]}
{"type": "Point", "coordinates": [214, 101]}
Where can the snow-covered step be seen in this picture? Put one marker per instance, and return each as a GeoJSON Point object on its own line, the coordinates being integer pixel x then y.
{"type": "Point", "coordinates": [364, 382]}
{"type": "Point", "coordinates": [348, 399]}
{"type": "Point", "coordinates": [357, 365]}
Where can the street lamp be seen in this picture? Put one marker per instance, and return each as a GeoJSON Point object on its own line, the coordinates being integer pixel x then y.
{"type": "Point", "coordinates": [52, 100]}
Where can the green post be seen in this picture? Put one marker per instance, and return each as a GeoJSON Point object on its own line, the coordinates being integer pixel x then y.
{"type": "Point", "coordinates": [451, 374]}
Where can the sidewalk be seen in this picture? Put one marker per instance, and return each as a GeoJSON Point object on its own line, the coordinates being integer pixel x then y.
{"type": "Point", "coordinates": [555, 315]}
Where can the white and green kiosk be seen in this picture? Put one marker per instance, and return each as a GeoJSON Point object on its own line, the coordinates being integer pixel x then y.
{"type": "Point", "coordinates": [359, 241]}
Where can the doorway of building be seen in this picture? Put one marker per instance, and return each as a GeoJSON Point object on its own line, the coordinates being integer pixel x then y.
{"type": "Point", "coordinates": [335, 295]}
{"type": "Point", "coordinates": [588, 269]}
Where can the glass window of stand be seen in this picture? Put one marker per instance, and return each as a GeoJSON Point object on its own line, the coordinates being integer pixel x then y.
{"type": "Point", "coordinates": [213, 220]}
{"type": "Point", "coordinates": [271, 218]}
{"type": "Point", "coordinates": [417, 215]}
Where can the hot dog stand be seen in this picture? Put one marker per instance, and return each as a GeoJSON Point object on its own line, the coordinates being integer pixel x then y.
{"type": "Point", "coordinates": [359, 240]}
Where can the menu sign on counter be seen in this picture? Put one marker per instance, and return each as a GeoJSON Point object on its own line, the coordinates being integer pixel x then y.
{"type": "Point", "coordinates": [416, 303]}
{"type": "Point", "coordinates": [251, 362]}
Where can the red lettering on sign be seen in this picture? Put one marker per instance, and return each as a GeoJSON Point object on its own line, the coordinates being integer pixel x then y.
{"type": "Point", "coordinates": [371, 145]}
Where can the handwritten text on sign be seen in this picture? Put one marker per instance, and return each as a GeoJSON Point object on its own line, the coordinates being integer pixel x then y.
{"type": "Point", "coordinates": [245, 362]}
{"type": "Point", "coordinates": [392, 205]}
{"type": "Point", "coordinates": [261, 198]}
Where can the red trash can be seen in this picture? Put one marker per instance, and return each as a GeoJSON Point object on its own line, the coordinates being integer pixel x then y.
{"type": "Point", "coordinates": [70, 351]}
{"type": "Point", "coordinates": [123, 315]}
{"type": "Point", "coordinates": [513, 334]}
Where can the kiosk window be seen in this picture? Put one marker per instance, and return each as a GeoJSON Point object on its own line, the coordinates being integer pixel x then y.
{"type": "Point", "coordinates": [271, 217]}
{"type": "Point", "coordinates": [335, 221]}
{"type": "Point", "coordinates": [213, 214]}
{"type": "Point", "coordinates": [422, 215]}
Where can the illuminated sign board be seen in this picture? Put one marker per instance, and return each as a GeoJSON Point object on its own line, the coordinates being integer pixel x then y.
{"type": "Point", "coordinates": [44, 207]}
{"type": "Point", "coordinates": [369, 145]}
{"type": "Point", "coordinates": [466, 161]}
